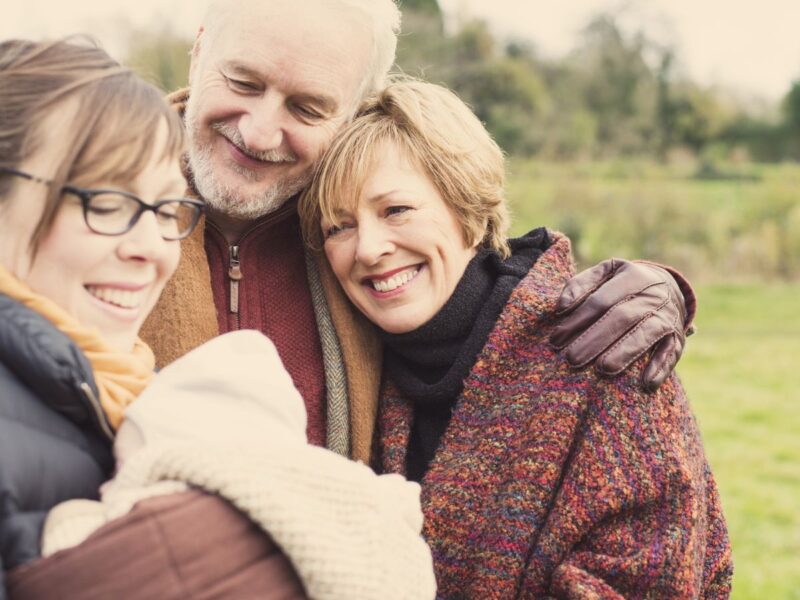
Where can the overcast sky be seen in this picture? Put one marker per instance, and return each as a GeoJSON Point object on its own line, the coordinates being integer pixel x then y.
{"type": "Point", "coordinates": [751, 46]}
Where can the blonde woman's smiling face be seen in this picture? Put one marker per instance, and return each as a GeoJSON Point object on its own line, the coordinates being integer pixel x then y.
{"type": "Point", "coordinates": [399, 251]}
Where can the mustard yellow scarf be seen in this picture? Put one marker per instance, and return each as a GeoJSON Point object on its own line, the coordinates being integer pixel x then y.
{"type": "Point", "coordinates": [120, 376]}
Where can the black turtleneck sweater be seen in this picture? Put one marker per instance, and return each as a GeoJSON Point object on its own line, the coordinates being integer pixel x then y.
{"type": "Point", "coordinates": [429, 364]}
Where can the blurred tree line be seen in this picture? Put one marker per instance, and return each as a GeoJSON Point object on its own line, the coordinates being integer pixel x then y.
{"type": "Point", "coordinates": [617, 94]}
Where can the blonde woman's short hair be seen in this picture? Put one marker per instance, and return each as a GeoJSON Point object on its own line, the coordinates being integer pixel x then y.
{"type": "Point", "coordinates": [441, 135]}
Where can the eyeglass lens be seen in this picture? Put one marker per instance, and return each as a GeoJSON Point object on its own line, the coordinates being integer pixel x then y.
{"type": "Point", "coordinates": [113, 214]}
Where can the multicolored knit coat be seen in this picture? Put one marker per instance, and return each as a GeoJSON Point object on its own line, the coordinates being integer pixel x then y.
{"type": "Point", "coordinates": [552, 482]}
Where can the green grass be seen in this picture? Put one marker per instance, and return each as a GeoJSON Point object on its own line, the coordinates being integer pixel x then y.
{"type": "Point", "coordinates": [744, 225]}
{"type": "Point", "coordinates": [742, 372]}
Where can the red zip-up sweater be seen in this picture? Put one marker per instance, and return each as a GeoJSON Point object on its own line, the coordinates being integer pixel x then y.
{"type": "Point", "coordinates": [260, 282]}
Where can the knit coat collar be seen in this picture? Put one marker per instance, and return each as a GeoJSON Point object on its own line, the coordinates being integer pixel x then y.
{"type": "Point", "coordinates": [533, 302]}
{"type": "Point", "coordinates": [429, 364]}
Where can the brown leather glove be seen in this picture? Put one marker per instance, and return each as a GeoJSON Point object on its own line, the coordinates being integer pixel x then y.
{"type": "Point", "coordinates": [618, 310]}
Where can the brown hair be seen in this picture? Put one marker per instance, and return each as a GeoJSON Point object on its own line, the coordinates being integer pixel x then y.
{"type": "Point", "coordinates": [112, 128]}
{"type": "Point", "coordinates": [441, 135]}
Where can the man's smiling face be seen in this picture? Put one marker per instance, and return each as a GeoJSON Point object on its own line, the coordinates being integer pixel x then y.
{"type": "Point", "coordinates": [270, 86]}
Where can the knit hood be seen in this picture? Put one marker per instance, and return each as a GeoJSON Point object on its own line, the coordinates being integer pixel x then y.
{"type": "Point", "coordinates": [184, 403]}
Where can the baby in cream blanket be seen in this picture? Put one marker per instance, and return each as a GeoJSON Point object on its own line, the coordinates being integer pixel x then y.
{"type": "Point", "coordinates": [227, 418]}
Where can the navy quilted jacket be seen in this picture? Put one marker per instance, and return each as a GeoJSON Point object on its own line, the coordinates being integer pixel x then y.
{"type": "Point", "coordinates": [55, 443]}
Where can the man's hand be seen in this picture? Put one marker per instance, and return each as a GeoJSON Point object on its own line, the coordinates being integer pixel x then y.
{"type": "Point", "coordinates": [618, 310]}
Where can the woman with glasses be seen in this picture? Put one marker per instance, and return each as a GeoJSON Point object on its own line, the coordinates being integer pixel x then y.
{"type": "Point", "coordinates": [91, 211]}
{"type": "Point", "coordinates": [91, 218]}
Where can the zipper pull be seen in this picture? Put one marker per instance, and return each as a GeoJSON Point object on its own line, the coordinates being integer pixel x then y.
{"type": "Point", "coordinates": [235, 274]}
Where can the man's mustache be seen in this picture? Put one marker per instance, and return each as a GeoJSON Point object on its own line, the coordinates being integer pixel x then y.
{"type": "Point", "coordinates": [232, 134]}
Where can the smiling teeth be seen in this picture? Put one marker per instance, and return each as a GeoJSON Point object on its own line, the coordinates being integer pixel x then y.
{"type": "Point", "coordinates": [387, 285]}
{"type": "Point", "coordinates": [116, 296]}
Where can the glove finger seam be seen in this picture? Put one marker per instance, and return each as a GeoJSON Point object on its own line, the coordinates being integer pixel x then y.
{"type": "Point", "coordinates": [621, 339]}
{"type": "Point", "coordinates": [635, 357]}
{"type": "Point", "coordinates": [670, 359]}
{"type": "Point", "coordinates": [641, 353]}
{"type": "Point", "coordinates": [576, 302]}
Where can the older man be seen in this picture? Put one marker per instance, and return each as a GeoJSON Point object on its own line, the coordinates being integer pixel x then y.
{"type": "Point", "coordinates": [271, 83]}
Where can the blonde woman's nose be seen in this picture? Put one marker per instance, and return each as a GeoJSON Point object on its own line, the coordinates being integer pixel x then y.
{"type": "Point", "coordinates": [374, 243]}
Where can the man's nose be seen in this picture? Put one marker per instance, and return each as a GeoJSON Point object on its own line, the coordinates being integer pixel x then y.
{"type": "Point", "coordinates": [262, 128]}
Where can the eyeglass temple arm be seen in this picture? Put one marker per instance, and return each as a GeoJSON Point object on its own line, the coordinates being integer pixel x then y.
{"type": "Point", "coordinates": [24, 175]}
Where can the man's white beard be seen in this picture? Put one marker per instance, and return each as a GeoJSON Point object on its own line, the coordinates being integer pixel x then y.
{"type": "Point", "coordinates": [227, 199]}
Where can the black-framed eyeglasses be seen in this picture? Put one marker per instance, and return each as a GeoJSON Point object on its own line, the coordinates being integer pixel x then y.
{"type": "Point", "coordinates": [114, 212]}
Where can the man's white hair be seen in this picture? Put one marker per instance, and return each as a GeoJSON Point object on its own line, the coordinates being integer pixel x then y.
{"type": "Point", "coordinates": [384, 19]}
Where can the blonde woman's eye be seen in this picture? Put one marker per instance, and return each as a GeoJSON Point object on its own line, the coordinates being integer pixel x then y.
{"type": "Point", "coordinates": [332, 230]}
{"type": "Point", "coordinates": [397, 210]}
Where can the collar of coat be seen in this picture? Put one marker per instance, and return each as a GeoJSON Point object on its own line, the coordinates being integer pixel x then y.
{"type": "Point", "coordinates": [529, 307]}
{"type": "Point", "coordinates": [47, 361]}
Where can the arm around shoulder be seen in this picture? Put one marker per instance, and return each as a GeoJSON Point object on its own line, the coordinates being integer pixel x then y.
{"type": "Point", "coordinates": [618, 311]}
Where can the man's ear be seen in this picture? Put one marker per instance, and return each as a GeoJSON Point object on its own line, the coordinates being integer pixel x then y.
{"type": "Point", "coordinates": [195, 53]}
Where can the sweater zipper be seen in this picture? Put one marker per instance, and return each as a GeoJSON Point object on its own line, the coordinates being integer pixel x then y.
{"type": "Point", "coordinates": [235, 276]}
{"type": "Point", "coordinates": [99, 413]}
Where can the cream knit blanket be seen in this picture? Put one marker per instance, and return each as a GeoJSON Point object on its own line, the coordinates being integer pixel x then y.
{"type": "Point", "coordinates": [349, 533]}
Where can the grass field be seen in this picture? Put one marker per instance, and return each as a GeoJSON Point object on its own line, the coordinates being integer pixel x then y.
{"type": "Point", "coordinates": [740, 223]}
{"type": "Point", "coordinates": [742, 372]}
{"type": "Point", "coordinates": [742, 369]}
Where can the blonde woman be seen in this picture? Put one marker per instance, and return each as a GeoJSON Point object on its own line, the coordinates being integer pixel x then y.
{"type": "Point", "coordinates": [538, 480]}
